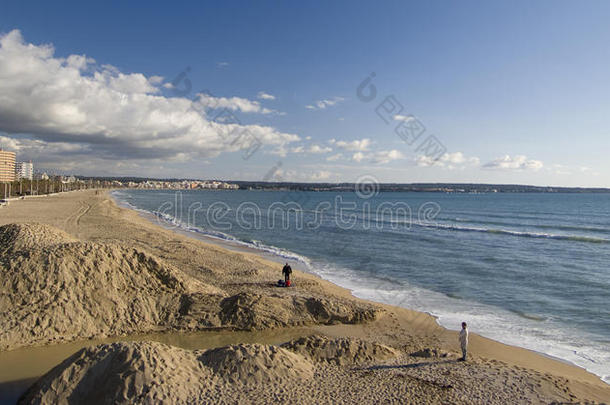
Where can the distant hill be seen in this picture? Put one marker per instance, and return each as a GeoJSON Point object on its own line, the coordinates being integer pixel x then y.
{"type": "Point", "coordinates": [420, 187]}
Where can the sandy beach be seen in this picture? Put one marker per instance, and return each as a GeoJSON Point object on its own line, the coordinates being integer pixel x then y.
{"type": "Point", "coordinates": [78, 268]}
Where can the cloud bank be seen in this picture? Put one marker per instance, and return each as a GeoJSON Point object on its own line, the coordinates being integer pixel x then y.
{"type": "Point", "coordinates": [108, 114]}
{"type": "Point", "coordinates": [518, 162]}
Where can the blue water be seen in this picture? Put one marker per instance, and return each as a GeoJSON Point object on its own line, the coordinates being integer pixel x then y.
{"type": "Point", "coordinates": [525, 269]}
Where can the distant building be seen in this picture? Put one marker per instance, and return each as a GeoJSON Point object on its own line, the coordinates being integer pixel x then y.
{"type": "Point", "coordinates": [24, 170]}
{"type": "Point", "coordinates": [41, 176]}
{"type": "Point", "coordinates": [7, 165]}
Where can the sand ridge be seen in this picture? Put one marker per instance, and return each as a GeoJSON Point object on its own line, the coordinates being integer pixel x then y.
{"type": "Point", "coordinates": [61, 289]}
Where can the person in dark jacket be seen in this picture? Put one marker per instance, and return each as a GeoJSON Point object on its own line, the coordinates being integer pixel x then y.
{"type": "Point", "coordinates": [287, 271]}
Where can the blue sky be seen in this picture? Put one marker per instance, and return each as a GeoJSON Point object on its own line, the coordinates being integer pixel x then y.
{"type": "Point", "coordinates": [515, 92]}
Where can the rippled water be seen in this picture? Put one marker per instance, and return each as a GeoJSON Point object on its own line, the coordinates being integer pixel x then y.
{"type": "Point", "coordinates": [526, 269]}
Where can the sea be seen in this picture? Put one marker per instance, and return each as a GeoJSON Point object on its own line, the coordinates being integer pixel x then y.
{"type": "Point", "coordinates": [526, 269]}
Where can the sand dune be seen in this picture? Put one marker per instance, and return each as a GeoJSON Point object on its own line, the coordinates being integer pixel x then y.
{"type": "Point", "coordinates": [141, 372]}
{"type": "Point", "coordinates": [17, 237]}
{"type": "Point", "coordinates": [60, 289]}
{"type": "Point", "coordinates": [257, 364]}
{"type": "Point", "coordinates": [122, 373]}
{"type": "Point", "coordinates": [315, 369]}
{"type": "Point", "coordinates": [68, 290]}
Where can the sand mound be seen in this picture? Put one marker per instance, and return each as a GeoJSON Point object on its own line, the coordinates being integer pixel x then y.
{"type": "Point", "coordinates": [16, 237]}
{"type": "Point", "coordinates": [255, 363]}
{"type": "Point", "coordinates": [341, 351]}
{"type": "Point", "coordinates": [135, 372]}
{"type": "Point", "coordinates": [60, 289]}
{"type": "Point", "coordinates": [255, 311]}
{"type": "Point", "coordinates": [150, 372]}
{"type": "Point", "coordinates": [62, 292]}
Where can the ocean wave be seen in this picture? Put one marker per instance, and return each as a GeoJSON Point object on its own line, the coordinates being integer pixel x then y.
{"type": "Point", "coordinates": [531, 317]}
{"type": "Point", "coordinates": [416, 223]}
{"type": "Point", "coordinates": [575, 238]}
{"type": "Point", "coordinates": [512, 327]}
{"type": "Point", "coordinates": [538, 226]}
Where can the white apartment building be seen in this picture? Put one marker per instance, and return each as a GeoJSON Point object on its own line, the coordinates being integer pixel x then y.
{"type": "Point", "coordinates": [24, 170]}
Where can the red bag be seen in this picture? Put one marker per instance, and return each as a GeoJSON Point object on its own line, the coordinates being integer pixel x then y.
{"type": "Point", "coordinates": [288, 283]}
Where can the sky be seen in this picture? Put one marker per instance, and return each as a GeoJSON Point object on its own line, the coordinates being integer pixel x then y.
{"type": "Point", "coordinates": [396, 91]}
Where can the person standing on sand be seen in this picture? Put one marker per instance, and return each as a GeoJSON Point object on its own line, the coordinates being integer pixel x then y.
{"type": "Point", "coordinates": [464, 340]}
{"type": "Point", "coordinates": [287, 271]}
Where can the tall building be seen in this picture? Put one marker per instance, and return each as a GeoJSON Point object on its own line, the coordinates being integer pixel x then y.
{"type": "Point", "coordinates": [7, 166]}
{"type": "Point", "coordinates": [24, 170]}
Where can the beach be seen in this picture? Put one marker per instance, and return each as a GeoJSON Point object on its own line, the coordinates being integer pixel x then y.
{"type": "Point", "coordinates": [405, 355]}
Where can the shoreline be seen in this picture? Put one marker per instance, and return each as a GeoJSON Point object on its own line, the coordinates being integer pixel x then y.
{"type": "Point", "coordinates": [420, 328]}
{"type": "Point", "coordinates": [243, 248]}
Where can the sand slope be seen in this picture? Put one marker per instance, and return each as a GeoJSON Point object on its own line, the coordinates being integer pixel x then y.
{"type": "Point", "coordinates": [16, 237]}
{"type": "Point", "coordinates": [60, 289]}
{"type": "Point", "coordinates": [65, 291]}
{"type": "Point", "coordinates": [316, 369]}
{"type": "Point", "coordinates": [256, 311]}
{"type": "Point", "coordinates": [256, 364]}
{"type": "Point", "coordinates": [121, 373]}
{"type": "Point", "coordinates": [150, 372]}
{"type": "Point", "coordinates": [340, 351]}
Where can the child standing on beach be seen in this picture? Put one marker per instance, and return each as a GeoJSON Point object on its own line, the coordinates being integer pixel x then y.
{"type": "Point", "coordinates": [464, 340]}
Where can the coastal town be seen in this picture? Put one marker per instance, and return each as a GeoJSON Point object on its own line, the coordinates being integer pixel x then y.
{"type": "Point", "coordinates": [18, 179]}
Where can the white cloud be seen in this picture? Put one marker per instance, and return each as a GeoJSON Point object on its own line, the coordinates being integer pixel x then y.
{"type": "Point", "coordinates": [387, 156]}
{"type": "Point", "coordinates": [358, 157]}
{"type": "Point", "coordinates": [334, 157]}
{"type": "Point", "coordinates": [322, 104]}
{"type": "Point", "coordinates": [424, 161]}
{"type": "Point", "coordinates": [265, 96]}
{"type": "Point", "coordinates": [518, 162]}
{"type": "Point", "coordinates": [155, 80]}
{"type": "Point", "coordinates": [356, 145]}
{"type": "Point", "coordinates": [232, 103]}
{"type": "Point", "coordinates": [115, 115]}
{"type": "Point", "coordinates": [319, 149]}
{"type": "Point", "coordinates": [221, 65]}
{"type": "Point", "coordinates": [313, 149]}
{"type": "Point", "coordinates": [37, 148]}
{"type": "Point", "coordinates": [455, 160]}
{"type": "Point", "coordinates": [300, 175]}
